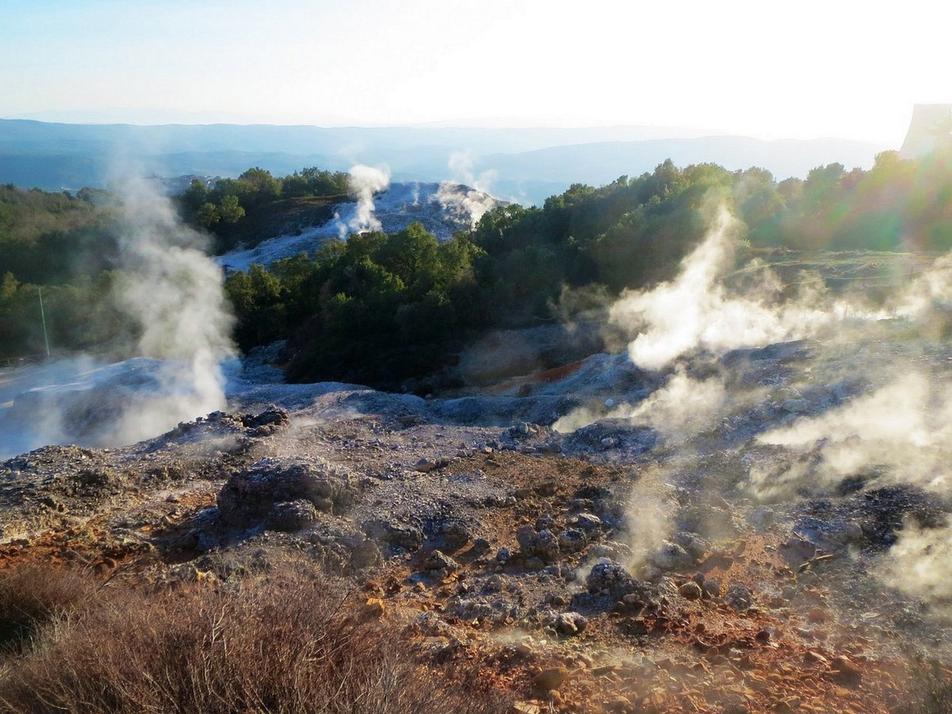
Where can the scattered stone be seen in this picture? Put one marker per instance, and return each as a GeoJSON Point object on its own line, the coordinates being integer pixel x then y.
{"type": "Point", "coordinates": [249, 496]}
{"type": "Point", "coordinates": [572, 540]}
{"type": "Point", "coordinates": [712, 587]}
{"type": "Point", "coordinates": [503, 555]}
{"type": "Point", "coordinates": [455, 535]}
{"type": "Point", "coordinates": [693, 544]}
{"type": "Point", "coordinates": [424, 466]}
{"type": "Point", "coordinates": [570, 623]}
{"type": "Point", "coordinates": [587, 522]}
{"type": "Point", "coordinates": [480, 548]}
{"type": "Point", "coordinates": [609, 549]}
{"type": "Point", "coordinates": [437, 561]}
{"type": "Point", "coordinates": [738, 597]}
{"type": "Point", "coordinates": [364, 553]}
{"type": "Point", "coordinates": [671, 556]}
{"type": "Point", "coordinates": [607, 575]}
{"type": "Point", "coordinates": [797, 551]}
{"type": "Point", "coordinates": [542, 545]}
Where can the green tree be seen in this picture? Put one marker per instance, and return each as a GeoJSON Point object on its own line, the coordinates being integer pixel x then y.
{"type": "Point", "coordinates": [230, 210]}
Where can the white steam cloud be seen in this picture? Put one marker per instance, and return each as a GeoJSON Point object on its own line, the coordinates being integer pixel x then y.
{"type": "Point", "coordinates": [681, 409]}
{"type": "Point", "coordinates": [172, 291]}
{"type": "Point", "coordinates": [364, 181]}
{"type": "Point", "coordinates": [918, 565]}
{"type": "Point", "coordinates": [902, 431]}
{"type": "Point", "coordinates": [472, 198]}
{"type": "Point", "coordinates": [697, 311]}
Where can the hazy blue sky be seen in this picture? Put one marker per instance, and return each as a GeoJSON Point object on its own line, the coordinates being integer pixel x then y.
{"type": "Point", "coordinates": [797, 69]}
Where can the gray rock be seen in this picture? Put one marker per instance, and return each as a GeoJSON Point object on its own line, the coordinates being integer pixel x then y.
{"type": "Point", "coordinates": [525, 537]}
{"type": "Point", "coordinates": [438, 561]}
{"type": "Point", "coordinates": [608, 575]}
{"type": "Point", "coordinates": [455, 535]}
{"type": "Point", "coordinates": [292, 515]}
{"type": "Point", "coordinates": [546, 546]}
{"type": "Point", "coordinates": [694, 544]}
{"type": "Point", "coordinates": [394, 534]}
{"type": "Point", "coordinates": [480, 547]}
{"type": "Point", "coordinates": [542, 545]}
{"type": "Point", "coordinates": [671, 556]}
{"type": "Point", "coordinates": [690, 590]}
{"type": "Point", "coordinates": [739, 597]}
{"type": "Point", "coordinates": [572, 540]}
{"type": "Point", "coordinates": [364, 554]}
{"type": "Point", "coordinates": [248, 497]}
{"type": "Point", "coordinates": [570, 623]}
{"type": "Point", "coordinates": [587, 522]}
{"type": "Point", "coordinates": [610, 549]}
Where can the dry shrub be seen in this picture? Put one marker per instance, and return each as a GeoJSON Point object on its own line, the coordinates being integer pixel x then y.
{"type": "Point", "coordinates": [31, 596]}
{"type": "Point", "coordinates": [284, 644]}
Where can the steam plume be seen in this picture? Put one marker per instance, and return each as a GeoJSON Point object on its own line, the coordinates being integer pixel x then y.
{"type": "Point", "coordinates": [364, 182]}
{"type": "Point", "coordinates": [696, 310]}
{"type": "Point", "coordinates": [172, 291]}
{"type": "Point", "coordinates": [472, 198]}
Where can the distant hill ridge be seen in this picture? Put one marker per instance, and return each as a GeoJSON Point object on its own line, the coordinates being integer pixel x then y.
{"type": "Point", "coordinates": [525, 164]}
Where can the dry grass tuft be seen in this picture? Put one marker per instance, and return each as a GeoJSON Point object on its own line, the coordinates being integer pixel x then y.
{"type": "Point", "coordinates": [292, 643]}
{"type": "Point", "coordinates": [31, 596]}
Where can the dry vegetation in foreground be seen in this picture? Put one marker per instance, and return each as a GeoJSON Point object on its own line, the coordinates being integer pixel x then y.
{"type": "Point", "coordinates": [290, 643]}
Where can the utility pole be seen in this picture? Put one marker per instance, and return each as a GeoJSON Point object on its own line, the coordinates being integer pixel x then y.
{"type": "Point", "coordinates": [46, 337]}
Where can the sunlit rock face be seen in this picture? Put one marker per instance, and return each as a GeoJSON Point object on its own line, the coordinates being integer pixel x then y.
{"type": "Point", "coordinates": [929, 130]}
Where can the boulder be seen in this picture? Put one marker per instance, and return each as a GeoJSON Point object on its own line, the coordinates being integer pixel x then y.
{"type": "Point", "coordinates": [439, 562]}
{"type": "Point", "coordinates": [607, 575]}
{"type": "Point", "coordinates": [249, 497]}
{"type": "Point", "coordinates": [394, 534]}
{"type": "Point", "coordinates": [570, 623]}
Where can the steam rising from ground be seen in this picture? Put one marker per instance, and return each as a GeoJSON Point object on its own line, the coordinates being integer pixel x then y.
{"type": "Point", "coordinates": [680, 409]}
{"type": "Point", "coordinates": [697, 311]}
{"type": "Point", "coordinates": [902, 431]}
{"type": "Point", "coordinates": [364, 181]}
{"type": "Point", "coordinates": [919, 565]}
{"type": "Point", "coordinates": [173, 292]}
{"type": "Point", "coordinates": [472, 198]}
{"type": "Point", "coordinates": [899, 432]}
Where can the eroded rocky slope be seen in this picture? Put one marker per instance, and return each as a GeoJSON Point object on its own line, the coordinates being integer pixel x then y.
{"type": "Point", "coordinates": [713, 553]}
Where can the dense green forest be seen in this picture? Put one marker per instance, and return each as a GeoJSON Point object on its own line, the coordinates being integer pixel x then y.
{"type": "Point", "coordinates": [382, 308]}
{"type": "Point", "coordinates": [257, 205]}
{"type": "Point", "coordinates": [66, 244]}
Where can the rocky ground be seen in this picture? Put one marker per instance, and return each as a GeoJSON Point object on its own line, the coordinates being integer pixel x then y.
{"type": "Point", "coordinates": [618, 567]}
